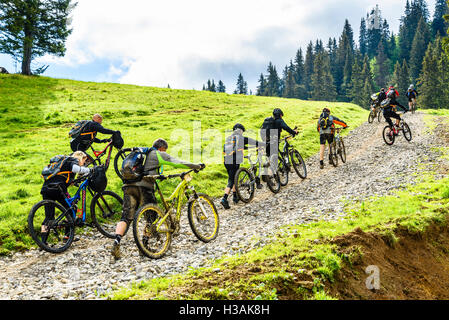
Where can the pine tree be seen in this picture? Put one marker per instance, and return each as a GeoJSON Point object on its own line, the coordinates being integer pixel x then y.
{"type": "Point", "coordinates": [33, 28]}
{"type": "Point", "coordinates": [439, 25]}
{"type": "Point", "coordinates": [367, 77]}
{"type": "Point", "coordinates": [356, 84]}
{"type": "Point", "coordinates": [242, 85]}
{"type": "Point", "coordinates": [322, 81]}
{"type": "Point", "coordinates": [273, 81]}
{"type": "Point", "coordinates": [290, 85]}
{"type": "Point", "coordinates": [401, 79]}
{"type": "Point", "coordinates": [382, 67]}
{"type": "Point", "coordinates": [262, 87]}
{"type": "Point", "coordinates": [299, 68]}
{"type": "Point", "coordinates": [221, 87]}
{"type": "Point", "coordinates": [308, 68]}
{"type": "Point", "coordinates": [419, 45]}
{"type": "Point", "coordinates": [363, 40]}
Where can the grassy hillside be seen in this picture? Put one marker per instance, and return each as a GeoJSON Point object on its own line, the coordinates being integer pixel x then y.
{"type": "Point", "coordinates": [36, 114]}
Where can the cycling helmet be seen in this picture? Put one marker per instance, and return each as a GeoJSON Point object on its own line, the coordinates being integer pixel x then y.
{"type": "Point", "coordinates": [239, 126]}
{"type": "Point", "coordinates": [326, 110]}
{"type": "Point", "coordinates": [391, 94]}
{"type": "Point", "coordinates": [278, 112]}
{"type": "Point", "coordinates": [411, 87]}
{"type": "Point", "coordinates": [382, 90]}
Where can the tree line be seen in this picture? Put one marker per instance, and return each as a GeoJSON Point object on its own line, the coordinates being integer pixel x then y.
{"type": "Point", "coordinates": [345, 71]}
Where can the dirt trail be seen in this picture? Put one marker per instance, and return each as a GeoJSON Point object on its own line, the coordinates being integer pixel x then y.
{"type": "Point", "coordinates": [85, 271]}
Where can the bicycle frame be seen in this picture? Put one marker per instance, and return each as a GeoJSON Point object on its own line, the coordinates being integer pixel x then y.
{"type": "Point", "coordinates": [99, 154]}
{"type": "Point", "coordinates": [80, 194]}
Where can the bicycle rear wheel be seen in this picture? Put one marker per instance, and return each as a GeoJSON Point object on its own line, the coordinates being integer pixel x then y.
{"type": "Point", "coordinates": [379, 115]}
{"type": "Point", "coordinates": [106, 212]}
{"type": "Point", "coordinates": [203, 218]}
{"type": "Point", "coordinates": [388, 135]}
{"type": "Point", "coordinates": [333, 155]}
{"type": "Point", "coordinates": [282, 172]}
{"type": "Point", "coordinates": [407, 132]}
{"type": "Point", "coordinates": [53, 235]}
{"type": "Point", "coordinates": [118, 160]}
{"type": "Point", "coordinates": [152, 242]}
{"type": "Point", "coordinates": [298, 164]}
{"type": "Point", "coordinates": [342, 150]}
{"type": "Point", "coordinates": [371, 117]}
{"type": "Point", "coordinates": [273, 182]}
{"type": "Point", "coordinates": [244, 185]}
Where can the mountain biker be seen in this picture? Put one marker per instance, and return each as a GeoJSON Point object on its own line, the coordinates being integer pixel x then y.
{"type": "Point", "coordinates": [411, 94]}
{"type": "Point", "coordinates": [271, 131]}
{"type": "Point", "coordinates": [136, 194]}
{"type": "Point", "coordinates": [390, 108]}
{"type": "Point", "coordinates": [326, 126]}
{"type": "Point", "coordinates": [233, 157]}
{"type": "Point", "coordinates": [381, 96]}
{"type": "Point", "coordinates": [88, 134]}
{"type": "Point", "coordinates": [55, 187]}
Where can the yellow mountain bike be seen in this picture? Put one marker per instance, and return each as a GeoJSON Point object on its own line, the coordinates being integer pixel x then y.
{"type": "Point", "coordinates": [154, 227]}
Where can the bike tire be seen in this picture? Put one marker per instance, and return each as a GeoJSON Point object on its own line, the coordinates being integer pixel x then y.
{"type": "Point", "coordinates": [388, 138]}
{"type": "Point", "coordinates": [371, 117]}
{"type": "Point", "coordinates": [106, 212]}
{"type": "Point", "coordinates": [210, 220]}
{"type": "Point", "coordinates": [244, 188]}
{"type": "Point", "coordinates": [407, 132]}
{"type": "Point", "coordinates": [144, 230]}
{"type": "Point", "coordinates": [298, 164]}
{"type": "Point", "coordinates": [282, 172]}
{"type": "Point", "coordinates": [379, 116]}
{"type": "Point", "coordinates": [342, 150]}
{"type": "Point", "coordinates": [118, 159]}
{"type": "Point", "coordinates": [273, 183]}
{"type": "Point", "coordinates": [53, 243]}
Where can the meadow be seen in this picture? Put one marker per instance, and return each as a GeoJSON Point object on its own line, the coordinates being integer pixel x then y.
{"type": "Point", "coordinates": [36, 114]}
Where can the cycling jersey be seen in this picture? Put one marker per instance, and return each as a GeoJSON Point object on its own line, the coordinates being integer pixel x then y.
{"type": "Point", "coordinates": [88, 136]}
{"type": "Point", "coordinates": [411, 94]}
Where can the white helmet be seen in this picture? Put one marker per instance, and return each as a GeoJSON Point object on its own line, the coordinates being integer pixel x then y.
{"type": "Point", "coordinates": [411, 87]}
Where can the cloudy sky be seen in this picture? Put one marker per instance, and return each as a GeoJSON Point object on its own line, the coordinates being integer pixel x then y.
{"type": "Point", "coordinates": [184, 43]}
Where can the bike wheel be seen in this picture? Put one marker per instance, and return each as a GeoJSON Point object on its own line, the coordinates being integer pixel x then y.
{"type": "Point", "coordinates": [60, 229]}
{"type": "Point", "coordinates": [371, 117]}
{"type": "Point", "coordinates": [203, 218]}
{"type": "Point", "coordinates": [244, 185]}
{"type": "Point", "coordinates": [388, 135]}
{"type": "Point", "coordinates": [118, 160]}
{"type": "Point", "coordinates": [342, 150]}
{"type": "Point", "coordinates": [152, 242]}
{"type": "Point", "coordinates": [273, 182]}
{"type": "Point", "coordinates": [106, 212]}
{"type": "Point", "coordinates": [282, 172]}
{"type": "Point", "coordinates": [407, 132]}
{"type": "Point", "coordinates": [333, 155]}
{"type": "Point", "coordinates": [298, 164]}
{"type": "Point", "coordinates": [379, 116]}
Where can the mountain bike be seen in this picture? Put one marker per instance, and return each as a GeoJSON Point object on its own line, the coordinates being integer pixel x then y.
{"type": "Point", "coordinates": [56, 234]}
{"type": "Point", "coordinates": [107, 150]}
{"type": "Point", "coordinates": [377, 112]}
{"type": "Point", "coordinates": [413, 106]}
{"type": "Point", "coordinates": [337, 148]}
{"type": "Point", "coordinates": [261, 169]}
{"type": "Point", "coordinates": [293, 158]}
{"type": "Point", "coordinates": [154, 227]}
{"type": "Point", "coordinates": [389, 136]}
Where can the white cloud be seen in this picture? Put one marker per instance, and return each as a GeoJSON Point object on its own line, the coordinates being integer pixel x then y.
{"type": "Point", "coordinates": [160, 42]}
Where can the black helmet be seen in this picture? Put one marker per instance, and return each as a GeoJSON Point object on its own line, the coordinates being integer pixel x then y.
{"type": "Point", "coordinates": [239, 126]}
{"type": "Point", "coordinates": [326, 110]}
{"type": "Point", "coordinates": [277, 113]}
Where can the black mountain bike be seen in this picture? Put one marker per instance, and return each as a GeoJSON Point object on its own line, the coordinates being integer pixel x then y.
{"type": "Point", "coordinates": [337, 148]}
{"type": "Point", "coordinates": [389, 135]}
{"type": "Point", "coordinates": [290, 158]}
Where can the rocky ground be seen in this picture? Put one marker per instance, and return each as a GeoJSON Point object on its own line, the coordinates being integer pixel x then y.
{"type": "Point", "coordinates": [85, 271]}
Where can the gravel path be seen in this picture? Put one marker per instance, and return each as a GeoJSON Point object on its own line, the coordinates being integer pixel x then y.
{"type": "Point", "coordinates": [85, 270]}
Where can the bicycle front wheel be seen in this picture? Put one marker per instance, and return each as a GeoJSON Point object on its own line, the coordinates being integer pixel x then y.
{"type": "Point", "coordinates": [51, 226]}
{"type": "Point", "coordinates": [333, 155]}
{"type": "Point", "coordinates": [118, 160]}
{"type": "Point", "coordinates": [298, 164]}
{"type": "Point", "coordinates": [388, 135]}
{"type": "Point", "coordinates": [342, 150]}
{"type": "Point", "coordinates": [407, 132]}
{"type": "Point", "coordinates": [379, 116]}
{"type": "Point", "coordinates": [244, 185]}
{"type": "Point", "coordinates": [152, 237]}
{"type": "Point", "coordinates": [282, 172]}
{"type": "Point", "coordinates": [371, 116]}
{"type": "Point", "coordinates": [106, 212]}
{"type": "Point", "coordinates": [203, 218]}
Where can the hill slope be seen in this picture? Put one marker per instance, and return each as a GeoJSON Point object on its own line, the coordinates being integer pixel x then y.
{"type": "Point", "coordinates": [36, 114]}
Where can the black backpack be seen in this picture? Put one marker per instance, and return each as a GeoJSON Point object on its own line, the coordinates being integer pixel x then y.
{"type": "Point", "coordinates": [98, 180]}
{"type": "Point", "coordinates": [77, 129]}
{"type": "Point", "coordinates": [267, 125]}
{"type": "Point", "coordinates": [54, 167]}
{"type": "Point", "coordinates": [133, 164]}
{"type": "Point", "coordinates": [325, 121]}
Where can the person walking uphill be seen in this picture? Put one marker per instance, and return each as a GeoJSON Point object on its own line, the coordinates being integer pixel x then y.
{"type": "Point", "coordinates": [233, 157]}
{"type": "Point", "coordinates": [84, 133]}
{"type": "Point", "coordinates": [325, 126]}
{"type": "Point", "coordinates": [138, 193]}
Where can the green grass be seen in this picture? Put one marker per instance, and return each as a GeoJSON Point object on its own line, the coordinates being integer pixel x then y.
{"type": "Point", "coordinates": [36, 114]}
{"type": "Point", "coordinates": [305, 249]}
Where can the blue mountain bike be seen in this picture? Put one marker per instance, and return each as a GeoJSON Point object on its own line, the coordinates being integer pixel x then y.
{"type": "Point", "coordinates": [52, 225]}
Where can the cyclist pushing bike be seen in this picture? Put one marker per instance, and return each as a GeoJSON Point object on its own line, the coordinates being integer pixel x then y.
{"type": "Point", "coordinates": [58, 176]}
{"type": "Point", "coordinates": [84, 133]}
{"type": "Point", "coordinates": [389, 106]}
{"type": "Point", "coordinates": [411, 94]}
{"type": "Point", "coordinates": [138, 193]}
{"type": "Point", "coordinates": [325, 126]}
{"type": "Point", "coordinates": [233, 157]}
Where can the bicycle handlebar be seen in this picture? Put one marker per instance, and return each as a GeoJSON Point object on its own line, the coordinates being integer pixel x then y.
{"type": "Point", "coordinates": [162, 177]}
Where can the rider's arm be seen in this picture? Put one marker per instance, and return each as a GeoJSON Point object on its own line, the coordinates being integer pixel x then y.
{"type": "Point", "coordinates": [165, 158]}
{"type": "Point", "coordinates": [81, 170]}
{"type": "Point", "coordinates": [339, 122]}
{"type": "Point", "coordinates": [99, 128]}
{"type": "Point", "coordinates": [285, 127]}
{"type": "Point", "coordinates": [248, 141]}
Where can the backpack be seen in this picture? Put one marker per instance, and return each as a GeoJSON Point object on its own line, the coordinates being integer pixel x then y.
{"type": "Point", "coordinates": [325, 121]}
{"type": "Point", "coordinates": [267, 125]}
{"type": "Point", "coordinates": [98, 180]}
{"type": "Point", "coordinates": [54, 167]}
{"type": "Point", "coordinates": [77, 129]}
{"type": "Point", "coordinates": [133, 164]}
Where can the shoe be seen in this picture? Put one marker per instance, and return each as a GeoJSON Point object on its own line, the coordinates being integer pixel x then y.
{"type": "Point", "coordinates": [321, 165]}
{"type": "Point", "coordinates": [258, 184]}
{"type": "Point", "coordinates": [115, 251]}
{"type": "Point", "coordinates": [225, 203]}
{"type": "Point", "coordinates": [66, 238]}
